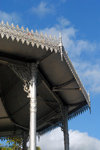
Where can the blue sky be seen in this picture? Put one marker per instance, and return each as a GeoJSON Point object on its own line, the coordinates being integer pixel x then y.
{"type": "Point", "coordinates": [79, 23]}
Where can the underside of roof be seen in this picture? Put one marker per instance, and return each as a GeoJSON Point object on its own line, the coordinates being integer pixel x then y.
{"type": "Point", "coordinates": [57, 81]}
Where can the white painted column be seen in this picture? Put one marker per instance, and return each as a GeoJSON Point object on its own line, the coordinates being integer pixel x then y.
{"type": "Point", "coordinates": [33, 107]}
{"type": "Point", "coordinates": [28, 75]}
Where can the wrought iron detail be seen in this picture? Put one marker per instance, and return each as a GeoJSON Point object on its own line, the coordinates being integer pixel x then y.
{"type": "Point", "coordinates": [64, 126]}
{"type": "Point", "coordinates": [33, 105]}
{"type": "Point", "coordinates": [29, 37]}
{"type": "Point", "coordinates": [24, 73]}
{"type": "Point", "coordinates": [25, 140]}
{"type": "Point", "coordinates": [78, 112]}
{"type": "Point", "coordinates": [60, 46]}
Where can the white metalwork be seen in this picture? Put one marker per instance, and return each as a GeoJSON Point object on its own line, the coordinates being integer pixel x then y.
{"type": "Point", "coordinates": [29, 37]}
{"type": "Point", "coordinates": [33, 108]}
{"type": "Point", "coordinates": [24, 74]}
{"type": "Point", "coordinates": [61, 46]}
{"type": "Point", "coordinates": [29, 75]}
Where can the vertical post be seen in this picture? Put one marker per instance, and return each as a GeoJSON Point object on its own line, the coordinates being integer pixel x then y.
{"type": "Point", "coordinates": [33, 107]}
{"type": "Point", "coordinates": [65, 128]}
{"type": "Point", "coordinates": [24, 141]}
{"type": "Point", "coordinates": [28, 75]}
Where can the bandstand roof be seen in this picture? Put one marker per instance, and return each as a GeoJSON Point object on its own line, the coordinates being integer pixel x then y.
{"type": "Point", "coordinates": [58, 83]}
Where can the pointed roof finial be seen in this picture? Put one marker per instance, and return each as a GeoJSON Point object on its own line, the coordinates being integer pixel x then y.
{"type": "Point", "coordinates": [88, 96]}
{"type": "Point", "coordinates": [60, 45]}
{"type": "Point", "coordinates": [60, 39]}
{"type": "Point", "coordinates": [89, 102]}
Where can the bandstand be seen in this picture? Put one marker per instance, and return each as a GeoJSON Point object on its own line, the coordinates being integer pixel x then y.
{"type": "Point", "coordinates": [39, 87]}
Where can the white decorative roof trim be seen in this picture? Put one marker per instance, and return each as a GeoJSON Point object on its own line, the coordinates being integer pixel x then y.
{"type": "Point", "coordinates": [70, 65]}
{"type": "Point", "coordinates": [28, 37]}
{"type": "Point", "coordinates": [78, 112]}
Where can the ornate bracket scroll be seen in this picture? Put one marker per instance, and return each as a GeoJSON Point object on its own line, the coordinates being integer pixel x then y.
{"type": "Point", "coordinates": [25, 74]}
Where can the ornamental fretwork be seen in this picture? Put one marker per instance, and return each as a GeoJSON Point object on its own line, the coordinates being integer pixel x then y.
{"type": "Point", "coordinates": [30, 37]}
{"type": "Point", "coordinates": [25, 74]}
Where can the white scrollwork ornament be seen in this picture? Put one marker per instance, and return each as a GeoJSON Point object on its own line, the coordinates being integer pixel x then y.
{"type": "Point", "coordinates": [28, 37]}
{"type": "Point", "coordinates": [27, 75]}
{"type": "Point", "coordinates": [33, 105]}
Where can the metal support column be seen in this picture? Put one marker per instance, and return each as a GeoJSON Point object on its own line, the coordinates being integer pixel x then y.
{"type": "Point", "coordinates": [25, 137]}
{"type": "Point", "coordinates": [33, 107]}
{"type": "Point", "coordinates": [28, 74]}
{"type": "Point", "coordinates": [65, 127]}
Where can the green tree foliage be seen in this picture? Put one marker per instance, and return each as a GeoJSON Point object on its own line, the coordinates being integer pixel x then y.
{"type": "Point", "coordinates": [38, 148]}
{"type": "Point", "coordinates": [6, 148]}
{"type": "Point", "coordinates": [12, 144]}
{"type": "Point", "coordinates": [15, 143]}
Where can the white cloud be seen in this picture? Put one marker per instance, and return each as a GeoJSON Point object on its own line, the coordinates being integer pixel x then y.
{"type": "Point", "coordinates": [50, 31]}
{"type": "Point", "coordinates": [67, 32]}
{"type": "Point", "coordinates": [77, 140]}
{"type": "Point", "coordinates": [82, 141]}
{"type": "Point", "coordinates": [9, 17]}
{"type": "Point", "coordinates": [42, 9]}
{"type": "Point", "coordinates": [52, 140]}
{"type": "Point", "coordinates": [73, 45]}
{"type": "Point", "coordinates": [63, 22]}
{"type": "Point", "coordinates": [83, 45]}
{"type": "Point", "coordinates": [90, 75]}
